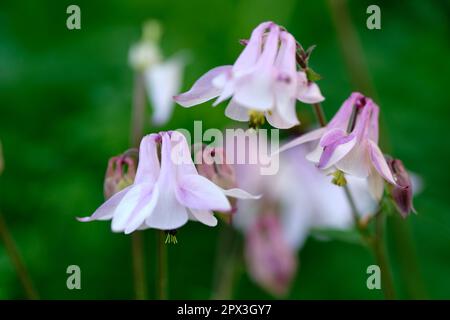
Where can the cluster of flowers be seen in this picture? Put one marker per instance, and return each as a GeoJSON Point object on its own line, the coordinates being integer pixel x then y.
{"type": "Point", "coordinates": [267, 79]}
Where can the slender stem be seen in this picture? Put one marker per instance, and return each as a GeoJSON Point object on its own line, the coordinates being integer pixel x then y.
{"type": "Point", "coordinates": [17, 261]}
{"type": "Point", "coordinates": [225, 265]}
{"type": "Point", "coordinates": [353, 54]}
{"type": "Point", "coordinates": [376, 243]}
{"type": "Point", "coordinates": [320, 115]}
{"type": "Point", "coordinates": [379, 248]}
{"type": "Point", "coordinates": [137, 129]}
{"type": "Point", "coordinates": [162, 266]}
{"type": "Point", "coordinates": [140, 288]}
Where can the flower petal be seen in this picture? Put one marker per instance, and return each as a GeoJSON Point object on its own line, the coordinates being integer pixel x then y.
{"type": "Point", "coordinates": [134, 199]}
{"type": "Point", "coordinates": [148, 166]}
{"type": "Point", "coordinates": [143, 211]}
{"type": "Point", "coordinates": [203, 89]}
{"type": "Point", "coordinates": [356, 162]}
{"type": "Point", "coordinates": [376, 185]}
{"type": "Point", "coordinates": [247, 59]}
{"type": "Point", "coordinates": [286, 121]}
{"type": "Point", "coordinates": [310, 136]}
{"type": "Point", "coordinates": [256, 90]}
{"type": "Point", "coordinates": [106, 210]}
{"type": "Point", "coordinates": [197, 192]}
{"type": "Point", "coordinates": [169, 213]}
{"type": "Point", "coordinates": [379, 162]}
{"type": "Point", "coordinates": [240, 194]}
{"type": "Point", "coordinates": [336, 151]}
{"type": "Point", "coordinates": [308, 92]}
{"type": "Point", "coordinates": [163, 81]}
{"type": "Point", "coordinates": [204, 216]}
{"type": "Point", "coordinates": [236, 112]}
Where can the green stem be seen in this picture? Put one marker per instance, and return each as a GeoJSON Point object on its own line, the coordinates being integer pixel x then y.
{"type": "Point", "coordinates": [377, 243]}
{"type": "Point", "coordinates": [379, 249]}
{"type": "Point", "coordinates": [226, 263]}
{"type": "Point", "coordinates": [137, 131]}
{"type": "Point", "coordinates": [17, 261]}
{"type": "Point", "coordinates": [162, 266]}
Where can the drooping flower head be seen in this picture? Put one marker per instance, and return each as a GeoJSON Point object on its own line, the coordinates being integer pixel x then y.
{"type": "Point", "coordinates": [349, 143]}
{"type": "Point", "coordinates": [263, 79]}
{"type": "Point", "coordinates": [167, 190]}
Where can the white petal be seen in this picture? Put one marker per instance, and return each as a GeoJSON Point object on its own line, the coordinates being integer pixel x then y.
{"type": "Point", "coordinates": [310, 136]}
{"type": "Point", "coordinates": [163, 81]}
{"type": "Point", "coordinates": [203, 89]}
{"type": "Point", "coordinates": [134, 199]}
{"type": "Point", "coordinates": [204, 216]}
{"type": "Point", "coordinates": [236, 112]}
{"type": "Point", "coordinates": [106, 210]}
{"type": "Point", "coordinates": [240, 194]}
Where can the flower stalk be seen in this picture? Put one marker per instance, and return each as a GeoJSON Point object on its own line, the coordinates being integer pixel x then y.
{"type": "Point", "coordinates": [376, 242]}
{"type": "Point", "coordinates": [162, 279]}
{"type": "Point", "coordinates": [17, 261]}
{"type": "Point", "coordinates": [137, 129]}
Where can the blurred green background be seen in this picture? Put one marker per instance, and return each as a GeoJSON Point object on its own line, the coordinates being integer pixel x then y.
{"type": "Point", "coordinates": [65, 102]}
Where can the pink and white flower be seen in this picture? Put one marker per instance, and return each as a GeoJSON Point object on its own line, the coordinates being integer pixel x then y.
{"type": "Point", "coordinates": [167, 190]}
{"type": "Point", "coordinates": [354, 150]}
{"type": "Point", "coordinates": [264, 78]}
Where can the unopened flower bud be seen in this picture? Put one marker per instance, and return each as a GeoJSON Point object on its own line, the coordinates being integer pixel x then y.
{"type": "Point", "coordinates": [119, 174]}
{"type": "Point", "coordinates": [402, 193]}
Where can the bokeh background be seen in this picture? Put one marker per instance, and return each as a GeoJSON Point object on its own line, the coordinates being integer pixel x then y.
{"type": "Point", "coordinates": [65, 103]}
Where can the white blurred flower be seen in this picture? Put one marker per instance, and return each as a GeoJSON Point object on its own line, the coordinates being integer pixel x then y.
{"type": "Point", "coordinates": [162, 77]}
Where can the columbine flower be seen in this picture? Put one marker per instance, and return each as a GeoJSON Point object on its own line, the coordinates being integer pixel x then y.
{"type": "Point", "coordinates": [402, 193]}
{"type": "Point", "coordinates": [300, 198]}
{"type": "Point", "coordinates": [162, 79]}
{"type": "Point", "coordinates": [166, 192]}
{"type": "Point", "coordinates": [271, 262]}
{"type": "Point", "coordinates": [353, 150]}
{"type": "Point", "coordinates": [263, 79]}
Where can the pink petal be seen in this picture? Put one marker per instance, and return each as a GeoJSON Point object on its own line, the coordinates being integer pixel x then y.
{"type": "Point", "coordinates": [342, 117]}
{"type": "Point", "coordinates": [308, 92]}
{"type": "Point", "coordinates": [203, 89]}
{"type": "Point", "coordinates": [256, 90]}
{"type": "Point", "coordinates": [338, 153]}
{"type": "Point", "coordinates": [285, 120]}
{"type": "Point", "coordinates": [106, 210]}
{"type": "Point", "coordinates": [204, 216]}
{"type": "Point", "coordinates": [379, 162]}
{"type": "Point", "coordinates": [148, 166]}
{"type": "Point", "coordinates": [134, 199]}
{"type": "Point", "coordinates": [247, 59]}
{"type": "Point", "coordinates": [143, 211]}
{"type": "Point", "coordinates": [169, 213]}
{"type": "Point", "coordinates": [356, 162]}
{"type": "Point", "coordinates": [376, 185]}
{"type": "Point", "coordinates": [236, 112]}
{"type": "Point", "coordinates": [240, 194]}
{"type": "Point", "coordinates": [180, 155]}
{"type": "Point", "coordinates": [310, 136]}
{"type": "Point", "coordinates": [197, 192]}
